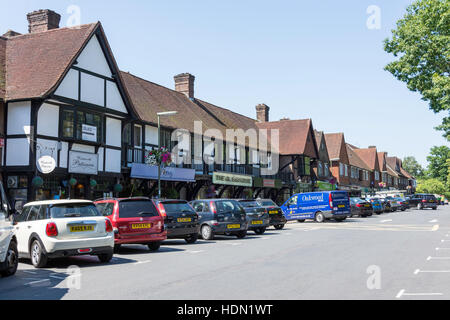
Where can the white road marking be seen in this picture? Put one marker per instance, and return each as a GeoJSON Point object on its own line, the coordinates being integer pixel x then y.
{"type": "Point", "coordinates": [37, 282]}
{"type": "Point", "coordinates": [56, 277]}
{"type": "Point", "coordinates": [31, 272]}
{"type": "Point", "coordinates": [445, 240]}
{"type": "Point", "coordinates": [403, 293]}
{"type": "Point", "coordinates": [435, 227]}
{"type": "Point", "coordinates": [387, 220]}
{"type": "Point", "coordinates": [430, 271]}
{"type": "Point", "coordinates": [437, 249]}
{"type": "Point", "coordinates": [438, 258]}
{"type": "Point", "coordinates": [198, 251]}
{"type": "Point", "coordinates": [433, 221]}
{"type": "Point", "coordinates": [142, 262]}
{"type": "Point", "coordinates": [399, 295]}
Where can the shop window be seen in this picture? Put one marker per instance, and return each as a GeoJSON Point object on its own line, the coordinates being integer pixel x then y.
{"type": "Point", "coordinates": [137, 136]}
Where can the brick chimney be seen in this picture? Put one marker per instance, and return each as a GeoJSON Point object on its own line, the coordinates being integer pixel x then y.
{"type": "Point", "coordinates": [184, 83]}
{"type": "Point", "coordinates": [262, 113]}
{"type": "Point", "coordinates": [43, 20]}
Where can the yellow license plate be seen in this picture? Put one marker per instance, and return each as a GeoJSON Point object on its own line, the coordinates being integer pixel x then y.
{"type": "Point", "coordinates": [233, 226]}
{"type": "Point", "coordinates": [82, 228]}
{"type": "Point", "coordinates": [341, 206]}
{"type": "Point", "coordinates": [367, 205]}
{"type": "Point", "coordinates": [184, 219]}
{"type": "Point", "coordinates": [141, 226]}
{"type": "Point", "coordinates": [257, 222]}
{"type": "Point", "coordinates": [273, 212]}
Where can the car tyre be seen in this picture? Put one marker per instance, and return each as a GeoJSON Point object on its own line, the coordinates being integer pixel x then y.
{"type": "Point", "coordinates": [38, 257]}
{"type": "Point", "coordinates": [207, 232]}
{"type": "Point", "coordinates": [117, 248]}
{"type": "Point", "coordinates": [260, 230]}
{"type": "Point", "coordinates": [12, 261]}
{"type": "Point", "coordinates": [340, 219]}
{"type": "Point", "coordinates": [279, 226]}
{"type": "Point", "coordinates": [435, 208]}
{"type": "Point", "coordinates": [192, 238]}
{"type": "Point", "coordinates": [319, 218]}
{"type": "Point", "coordinates": [106, 257]}
{"type": "Point", "coordinates": [301, 220]}
{"type": "Point", "coordinates": [241, 234]}
{"type": "Point", "coordinates": [154, 246]}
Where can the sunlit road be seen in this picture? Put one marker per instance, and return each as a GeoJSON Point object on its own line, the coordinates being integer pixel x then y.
{"type": "Point", "coordinates": [404, 255]}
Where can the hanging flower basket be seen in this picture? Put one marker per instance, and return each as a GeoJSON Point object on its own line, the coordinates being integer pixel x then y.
{"type": "Point", "coordinates": [160, 156]}
{"type": "Point", "coordinates": [37, 182]}
{"type": "Point", "coordinates": [118, 188]}
{"type": "Point", "coordinates": [93, 183]}
{"type": "Point", "coordinates": [73, 182]}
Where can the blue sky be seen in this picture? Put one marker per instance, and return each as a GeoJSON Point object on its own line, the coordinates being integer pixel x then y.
{"type": "Point", "coordinates": [305, 59]}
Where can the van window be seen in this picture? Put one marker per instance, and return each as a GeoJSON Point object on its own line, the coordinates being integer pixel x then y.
{"type": "Point", "coordinates": [293, 201]}
{"type": "Point", "coordinates": [339, 195]}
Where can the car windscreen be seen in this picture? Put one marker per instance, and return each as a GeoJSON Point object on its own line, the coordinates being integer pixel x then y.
{"type": "Point", "coordinates": [227, 206]}
{"type": "Point", "coordinates": [73, 210]}
{"type": "Point", "coordinates": [177, 207]}
{"type": "Point", "coordinates": [249, 204]}
{"type": "Point", "coordinates": [137, 208]}
{"type": "Point", "coordinates": [266, 203]}
{"type": "Point", "coordinates": [339, 195]}
{"type": "Point", "coordinates": [357, 200]}
{"type": "Point", "coordinates": [429, 197]}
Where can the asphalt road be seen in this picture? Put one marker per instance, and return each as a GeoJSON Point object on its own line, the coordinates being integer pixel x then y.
{"type": "Point", "coordinates": [404, 255]}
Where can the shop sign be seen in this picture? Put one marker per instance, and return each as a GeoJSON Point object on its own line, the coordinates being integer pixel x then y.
{"type": "Point", "coordinates": [83, 163]}
{"type": "Point", "coordinates": [325, 186]}
{"type": "Point", "coordinates": [267, 183]}
{"type": "Point", "coordinates": [46, 164]}
{"type": "Point", "coordinates": [144, 171]}
{"type": "Point", "coordinates": [232, 179]}
{"type": "Point", "coordinates": [88, 133]}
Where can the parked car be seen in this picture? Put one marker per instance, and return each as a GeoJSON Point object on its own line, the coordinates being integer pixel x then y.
{"type": "Point", "coordinates": [377, 205]}
{"type": "Point", "coordinates": [277, 218]}
{"type": "Point", "coordinates": [258, 219]}
{"type": "Point", "coordinates": [360, 207]}
{"type": "Point", "coordinates": [63, 228]}
{"type": "Point", "coordinates": [386, 205]}
{"type": "Point", "coordinates": [220, 216]}
{"type": "Point", "coordinates": [181, 220]}
{"type": "Point", "coordinates": [393, 203]}
{"type": "Point", "coordinates": [134, 220]}
{"type": "Point", "coordinates": [423, 201]}
{"type": "Point", "coordinates": [9, 256]}
{"type": "Point", "coordinates": [403, 202]}
{"type": "Point", "coordinates": [318, 206]}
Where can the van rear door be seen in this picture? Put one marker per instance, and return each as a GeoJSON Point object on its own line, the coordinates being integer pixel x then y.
{"type": "Point", "coordinates": [341, 202]}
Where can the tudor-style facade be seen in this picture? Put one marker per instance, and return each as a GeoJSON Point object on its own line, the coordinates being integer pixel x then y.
{"type": "Point", "coordinates": [340, 164]}
{"type": "Point", "coordinates": [68, 131]}
{"type": "Point", "coordinates": [322, 167]}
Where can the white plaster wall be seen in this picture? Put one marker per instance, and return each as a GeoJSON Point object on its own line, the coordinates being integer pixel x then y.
{"type": "Point", "coordinates": [101, 155]}
{"type": "Point", "coordinates": [112, 161]}
{"type": "Point", "coordinates": [92, 89]}
{"type": "Point", "coordinates": [17, 152]}
{"type": "Point", "coordinates": [113, 98]}
{"type": "Point", "coordinates": [113, 132]}
{"type": "Point", "coordinates": [64, 154]}
{"type": "Point", "coordinates": [93, 59]}
{"type": "Point", "coordinates": [48, 120]}
{"type": "Point", "coordinates": [69, 86]}
{"type": "Point", "coordinates": [19, 116]}
{"type": "Point", "coordinates": [83, 148]}
{"type": "Point", "coordinates": [151, 135]}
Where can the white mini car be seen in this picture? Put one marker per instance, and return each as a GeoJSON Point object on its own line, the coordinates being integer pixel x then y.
{"type": "Point", "coordinates": [63, 228]}
{"type": "Point", "coordinates": [9, 259]}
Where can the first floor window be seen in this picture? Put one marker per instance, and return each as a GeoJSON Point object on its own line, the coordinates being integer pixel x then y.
{"type": "Point", "coordinates": [81, 125]}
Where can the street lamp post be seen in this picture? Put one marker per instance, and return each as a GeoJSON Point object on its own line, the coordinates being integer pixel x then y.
{"type": "Point", "coordinates": [161, 114]}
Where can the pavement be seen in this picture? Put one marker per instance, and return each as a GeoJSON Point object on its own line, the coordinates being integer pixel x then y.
{"type": "Point", "coordinates": [398, 256]}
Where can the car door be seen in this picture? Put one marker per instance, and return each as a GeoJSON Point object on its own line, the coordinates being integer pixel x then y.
{"type": "Point", "coordinates": [26, 226]}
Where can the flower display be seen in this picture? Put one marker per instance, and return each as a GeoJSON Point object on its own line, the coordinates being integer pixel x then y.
{"type": "Point", "coordinates": [160, 156]}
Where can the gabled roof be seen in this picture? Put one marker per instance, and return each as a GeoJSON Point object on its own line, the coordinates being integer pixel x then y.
{"type": "Point", "coordinates": [296, 136]}
{"type": "Point", "coordinates": [320, 138]}
{"type": "Point", "coordinates": [334, 144]}
{"type": "Point", "coordinates": [355, 160]}
{"type": "Point", "coordinates": [370, 157]}
{"type": "Point", "coordinates": [149, 98]}
{"type": "Point", "coordinates": [36, 62]}
{"type": "Point", "coordinates": [391, 171]}
{"type": "Point", "coordinates": [2, 67]}
{"type": "Point", "coordinates": [382, 161]}
{"type": "Point", "coordinates": [393, 163]}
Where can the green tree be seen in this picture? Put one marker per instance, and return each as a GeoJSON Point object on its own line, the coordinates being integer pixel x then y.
{"type": "Point", "coordinates": [421, 42]}
{"type": "Point", "coordinates": [438, 167]}
{"type": "Point", "coordinates": [411, 165]}
{"type": "Point", "coordinates": [434, 186]}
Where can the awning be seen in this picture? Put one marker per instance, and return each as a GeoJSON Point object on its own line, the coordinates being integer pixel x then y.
{"type": "Point", "coordinates": [144, 171]}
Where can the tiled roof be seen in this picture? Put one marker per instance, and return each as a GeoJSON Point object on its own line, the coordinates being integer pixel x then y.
{"type": "Point", "coordinates": [334, 144]}
{"type": "Point", "coordinates": [149, 98]}
{"type": "Point", "coordinates": [355, 160]}
{"type": "Point", "coordinates": [369, 156]}
{"type": "Point", "coordinates": [381, 161]}
{"type": "Point", "coordinates": [391, 171]}
{"type": "Point", "coordinates": [2, 67]}
{"type": "Point", "coordinates": [36, 62]}
{"type": "Point", "coordinates": [295, 137]}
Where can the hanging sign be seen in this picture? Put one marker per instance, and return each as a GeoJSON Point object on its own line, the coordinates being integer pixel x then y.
{"type": "Point", "coordinates": [46, 164]}
{"type": "Point", "coordinates": [88, 133]}
{"type": "Point", "coordinates": [83, 163]}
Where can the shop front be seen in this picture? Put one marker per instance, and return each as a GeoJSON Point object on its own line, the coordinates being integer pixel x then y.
{"type": "Point", "coordinates": [231, 185]}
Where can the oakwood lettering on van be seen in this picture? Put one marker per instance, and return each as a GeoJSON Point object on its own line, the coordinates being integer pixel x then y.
{"type": "Point", "coordinates": [312, 198]}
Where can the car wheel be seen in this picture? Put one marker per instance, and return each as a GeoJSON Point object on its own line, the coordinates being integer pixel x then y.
{"type": "Point", "coordinates": [340, 219]}
{"type": "Point", "coordinates": [106, 257]}
{"type": "Point", "coordinates": [419, 206]}
{"type": "Point", "coordinates": [192, 238]}
{"type": "Point", "coordinates": [241, 234]}
{"type": "Point", "coordinates": [320, 218]}
{"type": "Point", "coordinates": [38, 257]}
{"type": "Point", "coordinates": [260, 230]}
{"type": "Point", "coordinates": [434, 208]}
{"type": "Point", "coordinates": [207, 232]}
{"type": "Point", "coordinates": [117, 248]}
{"type": "Point", "coordinates": [154, 246]}
{"type": "Point", "coordinates": [12, 261]}
{"type": "Point", "coordinates": [279, 226]}
{"type": "Point", "coordinates": [301, 221]}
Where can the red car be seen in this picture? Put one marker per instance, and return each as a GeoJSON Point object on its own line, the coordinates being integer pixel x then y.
{"type": "Point", "coordinates": [135, 221]}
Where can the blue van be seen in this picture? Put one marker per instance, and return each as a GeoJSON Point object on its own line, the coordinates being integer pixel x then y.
{"type": "Point", "coordinates": [318, 206]}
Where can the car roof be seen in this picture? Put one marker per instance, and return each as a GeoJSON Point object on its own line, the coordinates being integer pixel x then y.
{"type": "Point", "coordinates": [56, 202]}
